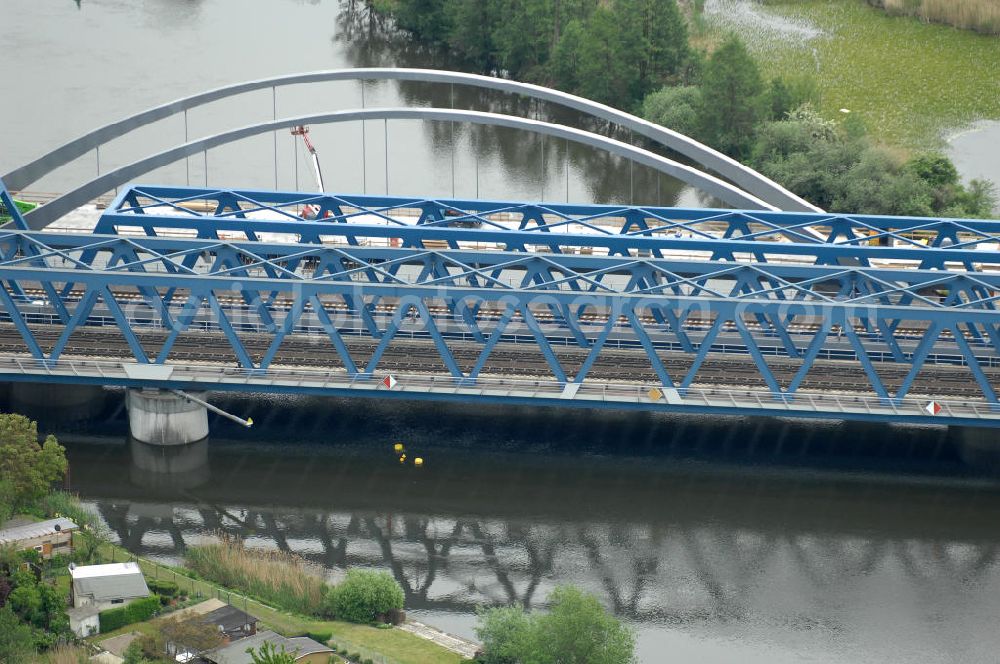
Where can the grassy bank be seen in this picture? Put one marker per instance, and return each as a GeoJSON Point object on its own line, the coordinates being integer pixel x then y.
{"type": "Point", "coordinates": [910, 81]}
{"type": "Point", "coordinates": [394, 645]}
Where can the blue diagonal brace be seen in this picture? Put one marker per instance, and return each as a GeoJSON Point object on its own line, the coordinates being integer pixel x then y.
{"type": "Point", "coordinates": [123, 325]}
{"type": "Point", "coordinates": [22, 327]}
{"type": "Point", "coordinates": [812, 351]}
{"type": "Point", "coordinates": [758, 357]}
{"type": "Point", "coordinates": [80, 314]}
{"type": "Point", "coordinates": [866, 363]}
{"type": "Point", "coordinates": [335, 338]}
{"type": "Point", "coordinates": [543, 343]}
{"type": "Point", "coordinates": [973, 362]}
{"type": "Point", "coordinates": [491, 343]}
{"type": "Point", "coordinates": [647, 345]}
{"type": "Point", "coordinates": [234, 340]}
{"type": "Point", "coordinates": [931, 335]}
{"type": "Point", "coordinates": [291, 318]}
{"type": "Point", "coordinates": [598, 344]}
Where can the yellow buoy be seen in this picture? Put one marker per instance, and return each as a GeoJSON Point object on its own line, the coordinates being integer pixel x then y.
{"type": "Point", "coordinates": [402, 458]}
{"type": "Point", "coordinates": [398, 447]}
{"type": "Point", "coordinates": [418, 461]}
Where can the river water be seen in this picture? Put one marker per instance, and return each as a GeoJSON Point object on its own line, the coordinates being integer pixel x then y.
{"type": "Point", "coordinates": [73, 69]}
{"type": "Point", "coordinates": [719, 540]}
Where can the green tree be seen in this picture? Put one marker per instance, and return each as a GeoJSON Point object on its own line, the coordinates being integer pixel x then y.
{"type": "Point", "coordinates": [523, 37]}
{"type": "Point", "coordinates": [29, 467]}
{"type": "Point", "coordinates": [603, 75]}
{"type": "Point", "coordinates": [268, 654]}
{"type": "Point", "coordinates": [784, 96]}
{"type": "Point", "coordinates": [979, 199]}
{"type": "Point", "coordinates": [17, 643]}
{"type": "Point", "coordinates": [426, 19]}
{"type": "Point", "coordinates": [472, 24]}
{"type": "Point", "coordinates": [732, 98]}
{"type": "Point", "coordinates": [565, 62]}
{"type": "Point", "coordinates": [576, 630]}
{"type": "Point", "coordinates": [363, 596]}
{"type": "Point", "coordinates": [506, 633]}
{"type": "Point", "coordinates": [133, 654]}
{"type": "Point", "coordinates": [876, 184]}
{"type": "Point", "coordinates": [655, 43]}
{"type": "Point", "coordinates": [191, 633]}
{"type": "Point", "coordinates": [26, 602]}
{"type": "Point", "coordinates": [676, 108]}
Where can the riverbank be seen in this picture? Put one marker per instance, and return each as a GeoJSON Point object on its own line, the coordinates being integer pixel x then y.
{"type": "Point", "coordinates": [390, 646]}
{"type": "Point", "coordinates": [912, 83]}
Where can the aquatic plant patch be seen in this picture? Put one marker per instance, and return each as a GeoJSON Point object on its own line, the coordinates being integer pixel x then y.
{"type": "Point", "coordinates": [911, 82]}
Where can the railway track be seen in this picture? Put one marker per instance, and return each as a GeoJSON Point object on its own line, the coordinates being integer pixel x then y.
{"type": "Point", "coordinates": [543, 315]}
{"type": "Point", "coordinates": [509, 360]}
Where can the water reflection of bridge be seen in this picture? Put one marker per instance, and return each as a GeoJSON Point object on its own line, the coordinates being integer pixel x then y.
{"type": "Point", "coordinates": [707, 550]}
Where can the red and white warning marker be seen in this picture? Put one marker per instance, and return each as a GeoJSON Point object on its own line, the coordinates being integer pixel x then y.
{"type": "Point", "coordinates": [933, 408]}
{"type": "Point", "coordinates": [390, 382]}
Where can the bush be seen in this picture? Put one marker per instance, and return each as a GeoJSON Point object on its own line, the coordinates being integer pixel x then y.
{"type": "Point", "coordinates": [354, 657]}
{"type": "Point", "coordinates": [321, 637]}
{"type": "Point", "coordinates": [137, 611]}
{"type": "Point", "coordinates": [576, 623]}
{"type": "Point", "coordinates": [368, 661]}
{"type": "Point", "coordinates": [364, 595]}
{"type": "Point", "coordinates": [342, 652]}
{"type": "Point", "coordinates": [677, 108]}
{"type": "Point", "coordinates": [164, 588]}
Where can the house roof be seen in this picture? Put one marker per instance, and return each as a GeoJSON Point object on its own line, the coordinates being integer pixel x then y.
{"type": "Point", "coordinates": [32, 530]}
{"type": "Point", "coordinates": [106, 582]}
{"type": "Point", "coordinates": [306, 646]}
{"type": "Point", "coordinates": [236, 652]}
{"type": "Point", "coordinates": [229, 617]}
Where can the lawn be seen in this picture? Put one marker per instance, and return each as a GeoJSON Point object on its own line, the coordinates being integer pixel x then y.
{"type": "Point", "coordinates": [911, 82]}
{"type": "Point", "coordinates": [390, 645]}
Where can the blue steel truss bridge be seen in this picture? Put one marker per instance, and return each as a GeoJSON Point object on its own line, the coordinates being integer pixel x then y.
{"type": "Point", "coordinates": [803, 314]}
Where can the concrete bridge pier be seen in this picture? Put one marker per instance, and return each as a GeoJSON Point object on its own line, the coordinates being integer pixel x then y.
{"type": "Point", "coordinates": [162, 417]}
{"type": "Point", "coordinates": [978, 446]}
{"type": "Point", "coordinates": [52, 402]}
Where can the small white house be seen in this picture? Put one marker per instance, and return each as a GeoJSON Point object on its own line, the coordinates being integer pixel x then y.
{"type": "Point", "coordinates": [96, 588]}
{"type": "Point", "coordinates": [107, 586]}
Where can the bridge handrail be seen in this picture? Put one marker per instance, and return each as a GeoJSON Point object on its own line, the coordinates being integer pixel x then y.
{"type": "Point", "coordinates": [747, 178]}
{"type": "Point", "coordinates": [912, 407]}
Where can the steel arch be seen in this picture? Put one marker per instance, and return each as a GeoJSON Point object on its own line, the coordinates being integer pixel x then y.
{"type": "Point", "coordinates": [711, 159]}
{"type": "Point", "coordinates": [46, 214]}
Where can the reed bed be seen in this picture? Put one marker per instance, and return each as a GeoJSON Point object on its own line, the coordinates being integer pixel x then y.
{"type": "Point", "coordinates": [276, 577]}
{"type": "Point", "coordinates": [979, 15]}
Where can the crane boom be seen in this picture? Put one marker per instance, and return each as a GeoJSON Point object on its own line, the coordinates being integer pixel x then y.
{"type": "Point", "coordinates": [303, 131]}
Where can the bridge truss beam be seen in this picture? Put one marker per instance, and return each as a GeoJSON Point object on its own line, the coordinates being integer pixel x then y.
{"type": "Point", "coordinates": [571, 314]}
{"type": "Point", "coordinates": [729, 235]}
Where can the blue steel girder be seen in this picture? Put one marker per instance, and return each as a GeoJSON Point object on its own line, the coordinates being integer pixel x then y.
{"type": "Point", "coordinates": [487, 269]}
{"type": "Point", "coordinates": [821, 238]}
{"type": "Point", "coordinates": [629, 299]}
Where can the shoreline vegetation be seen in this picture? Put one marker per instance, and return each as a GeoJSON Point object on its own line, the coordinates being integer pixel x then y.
{"type": "Point", "coordinates": [805, 121]}
{"type": "Point", "coordinates": [976, 15]}
{"type": "Point", "coordinates": [913, 83]}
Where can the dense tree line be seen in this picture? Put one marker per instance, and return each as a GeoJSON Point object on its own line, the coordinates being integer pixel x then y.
{"type": "Point", "coordinates": [635, 55]}
{"type": "Point", "coordinates": [612, 52]}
